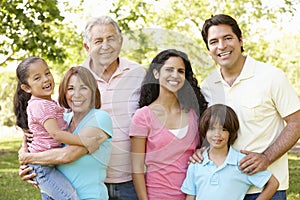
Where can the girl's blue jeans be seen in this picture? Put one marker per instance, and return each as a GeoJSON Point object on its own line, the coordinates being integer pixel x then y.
{"type": "Point", "coordinates": [53, 183]}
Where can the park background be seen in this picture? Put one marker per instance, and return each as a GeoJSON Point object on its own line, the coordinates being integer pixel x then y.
{"type": "Point", "coordinates": [53, 30]}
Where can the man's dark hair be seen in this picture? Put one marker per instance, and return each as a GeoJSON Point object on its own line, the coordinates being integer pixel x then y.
{"type": "Point", "coordinates": [221, 19]}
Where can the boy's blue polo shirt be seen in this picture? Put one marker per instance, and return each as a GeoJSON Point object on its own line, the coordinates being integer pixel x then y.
{"type": "Point", "coordinates": [227, 182]}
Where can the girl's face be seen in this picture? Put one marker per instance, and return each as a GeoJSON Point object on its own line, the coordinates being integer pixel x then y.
{"type": "Point", "coordinates": [171, 75]}
{"type": "Point", "coordinates": [40, 80]}
{"type": "Point", "coordinates": [79, 96]}
{"type": "Point", "coordinates": [217, 137]}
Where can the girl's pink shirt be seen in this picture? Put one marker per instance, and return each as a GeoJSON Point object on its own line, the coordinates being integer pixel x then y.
{"type": "Point", "coordinates": [38, 111]}
{"type": "Point", "coordinates": [167, 156]}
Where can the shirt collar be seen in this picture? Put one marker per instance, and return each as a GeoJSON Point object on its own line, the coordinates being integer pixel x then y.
{"type": "Point", "coordinates": [246, 73]}
{"type": "Point", "coordinates": [205, 157]}
{"type": "Point", "coordinates": [121, 67]}
{"type": "Point", "coordinates": [231, 159]}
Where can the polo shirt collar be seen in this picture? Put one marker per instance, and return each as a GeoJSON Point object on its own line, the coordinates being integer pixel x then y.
{"type": "Point", "coordinates": [205, 157]}
{"type": "Point", "coordinates": [246, 73]}
{"type": "Point", "coordinates": [122, 67]}
{"type": "Point", "coordinates": [231, 159]}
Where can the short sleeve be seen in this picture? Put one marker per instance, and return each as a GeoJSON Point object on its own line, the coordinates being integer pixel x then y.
{"type": "Point", "coordinates": [42, 110]}
{"type": "Point", "coordinates": [188, 186]}
{"type": "Point", "coordinates": [140, 123]}
{"type": "Point", "coordinates": [100, 119]}
{"type": "Point", "coordinates": [283, 94]}
{"type": "Point", "coordinates": [260, 179]}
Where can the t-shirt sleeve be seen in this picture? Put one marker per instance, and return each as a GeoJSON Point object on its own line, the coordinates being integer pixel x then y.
{"type": "Point", "coordinates": [43, 110]}
{"type": "Point", "coordinates": [260, 179]}
{"type": "Point", "coordinates": [100, 119]}
{"type": "Point", "coordinates": [139, 124]}
{"type": "Point", "coordinates": [188, 185]}
{"type": "Point", "coordinates": [284, 95]}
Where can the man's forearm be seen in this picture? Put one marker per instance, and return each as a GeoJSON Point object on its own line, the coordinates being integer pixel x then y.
{"type": "Point", "coordinates": [287, 139]}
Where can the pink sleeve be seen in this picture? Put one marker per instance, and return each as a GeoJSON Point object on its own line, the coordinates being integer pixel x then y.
{"type": "Point", "coordinates": [43, 110]}
{"type": "Point", "coordinates": [140, 125]}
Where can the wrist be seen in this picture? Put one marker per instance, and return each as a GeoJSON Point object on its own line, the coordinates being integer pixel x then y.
{"type": "Point", "coordinates": [266, 157]}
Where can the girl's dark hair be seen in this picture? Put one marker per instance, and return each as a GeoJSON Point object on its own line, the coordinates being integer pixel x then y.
{"type": "Point", "coordinates": [221, 19]}
{"type": "Point", "coordinates": [219, 114]}
{"type": "Point", "coordinates": [189, 96]}
{"type": "Point", "coordinates": [21, 97]}
{"type": "Point", "coordinates": [87, 78]}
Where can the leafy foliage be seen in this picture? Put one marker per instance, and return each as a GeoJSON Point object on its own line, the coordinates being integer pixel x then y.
{"type": "Point", "coordinates": [30, 28]}
{"type": "Point", "coordinates": [186, 18]}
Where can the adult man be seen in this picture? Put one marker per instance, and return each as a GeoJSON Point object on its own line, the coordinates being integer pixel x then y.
{"type": "Point", "coordinates": [262, 98]}
{"type": "Point", "coordinates": [119, 81]}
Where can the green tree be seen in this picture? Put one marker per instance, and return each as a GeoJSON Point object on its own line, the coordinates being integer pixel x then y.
{"type": "Point", "coordinates": [186, 17]}
{"type": "Point", "coordinates": [30, 28]}
{"type": "Point", "coordinates": [34, 28]}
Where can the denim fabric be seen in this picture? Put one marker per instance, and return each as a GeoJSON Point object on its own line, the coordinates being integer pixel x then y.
{"type": "Point", "coordinates": [279, 195]}
{"type": "Point", "coordinates": [46, 197]}
{"type": "Point", "coordinates": [53, 184]}
{"type": "Point", "coordinates": [121, 191]}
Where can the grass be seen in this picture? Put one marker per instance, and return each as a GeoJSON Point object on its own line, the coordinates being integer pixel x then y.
{"type": "Point", "coordinates": [11, 185]}
{"type": "Point", "coordinates": [13, 188]}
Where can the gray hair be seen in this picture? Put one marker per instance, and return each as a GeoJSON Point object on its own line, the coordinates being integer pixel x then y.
{"type": "Point", "coordinates": [103, 20]}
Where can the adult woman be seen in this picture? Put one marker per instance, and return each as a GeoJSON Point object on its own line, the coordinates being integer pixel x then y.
{"type": "Point", "coordinates": [164, 131]}
{"type": "Point", "coordinates": [79, 93]}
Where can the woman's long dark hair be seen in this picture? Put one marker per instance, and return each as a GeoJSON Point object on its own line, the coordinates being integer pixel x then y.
{"type": "Point", "coordinates": [189, 96]}
{"type": "Point", "coordinates": [21, 97]}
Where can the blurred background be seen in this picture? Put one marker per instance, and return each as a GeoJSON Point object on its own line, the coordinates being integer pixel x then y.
{"type": "Point", "coordinates": [53, 30]}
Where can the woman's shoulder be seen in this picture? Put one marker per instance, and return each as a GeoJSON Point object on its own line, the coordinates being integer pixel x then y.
{"type": "Point", "coordinates": [143, 115]}
{"type": "Point", "coordinates": [98, 113]}
{"type": "Point", "coordinates": [143, 110]}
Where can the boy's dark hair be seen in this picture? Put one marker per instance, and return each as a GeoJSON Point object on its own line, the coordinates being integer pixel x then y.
{"type": "Point", "coordinates": [219, 114]}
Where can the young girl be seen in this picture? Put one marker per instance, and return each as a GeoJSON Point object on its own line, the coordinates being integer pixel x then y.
{"type": "Point", "coordinates": [37, 113]}
{"type": "Point", "coordinates": [218, 176]}
{"type": "Point", "coordinates": [164, 131]}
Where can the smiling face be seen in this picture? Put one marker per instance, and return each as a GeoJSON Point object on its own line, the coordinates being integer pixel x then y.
{"type": "Point", "coordinates": [78, 96]}
{"type": "Point", "coordinates": [40, 80]}
{"type": "Point", "coordinates": [104, 45]}
{"type": "Point", "coordinates": [171, 75]}
{"type": "Point", "coordinates": [217, 137]}
{"type": "Point", "coordinates": [225, 47]}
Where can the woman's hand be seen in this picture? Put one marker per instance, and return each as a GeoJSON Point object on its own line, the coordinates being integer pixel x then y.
{"type": "Point", "coordinates": [197, 156]}
{"type": "Point", "coordinates": [23, 151]}
{"type": "Point", "coordinates": [24, 171]}
{"type": "Point", "coordinates": [28, 135]}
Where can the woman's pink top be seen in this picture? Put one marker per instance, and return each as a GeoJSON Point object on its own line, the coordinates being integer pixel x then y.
{"type": "Point", "coordinates": [166, 155]}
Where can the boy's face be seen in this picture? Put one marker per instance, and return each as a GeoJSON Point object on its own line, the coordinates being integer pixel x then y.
{"type": "Point", "coordinates": [217, 137]}
{"type": "Point", "coordinates": [224, 46]}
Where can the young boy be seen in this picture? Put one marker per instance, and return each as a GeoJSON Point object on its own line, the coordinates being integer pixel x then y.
{"type": "Point", "coordinates": [218, 176]}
